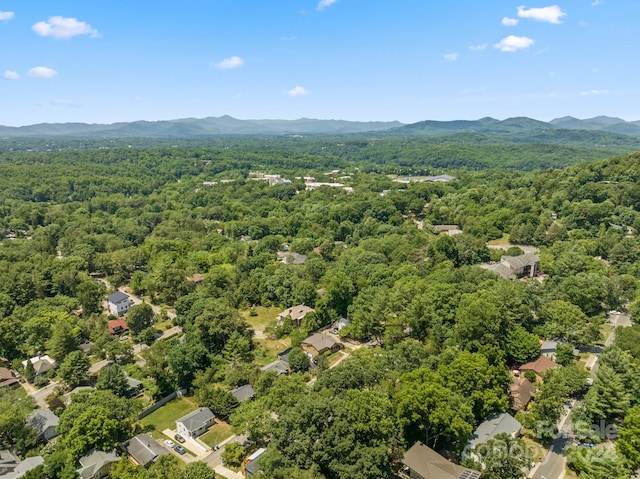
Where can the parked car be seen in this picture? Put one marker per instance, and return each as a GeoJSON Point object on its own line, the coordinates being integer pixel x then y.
{"type": "Point", "coordinates": [179, 438]}
{"type": "Point", "coordinates": [169, 443]}
{"type": "Point", "coordinates": [179, 449]}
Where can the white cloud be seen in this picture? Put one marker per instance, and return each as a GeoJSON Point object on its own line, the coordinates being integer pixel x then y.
{"type": "Point", "coordinates": [597, 2]}
{"type": "Point", "coordinates": [10, 75]}
{"type": "Point", "coordinates": [550, 14]}
{"type": "Point", "coordinates": [513, 43]}
{"type": "Point", "coordinates": [510, 22]}
{"type": "Point", "coordinates": [594, 92]}
{"type": "Point", "coordinates": [6, 15]}
{"type": "Point", "coordinates": [61, 27]}
{"type": "Point", "coordinates": [42, 72]}
{"type": "Point", "coordinates": [477, 48]}
{"type": "Point", "coordinates": [297, 91]}
{"type": "Point", "coordinates": [325, 3]}
{"type": "Point", "coordinates": [451, 57]}
{"type": "Point", "coordinates": [229, 63]}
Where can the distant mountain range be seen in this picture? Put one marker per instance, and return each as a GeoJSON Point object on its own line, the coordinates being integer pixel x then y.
{"type": "Point", "coordinates": [519, 125]}
{"type": "Point", "coordinates": [226, 125]}
{"type": "Point", "coordinates": [194, 127]}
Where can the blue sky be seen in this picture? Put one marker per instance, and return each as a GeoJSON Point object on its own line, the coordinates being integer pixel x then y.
{"type": "Point", "coordinates": [367, 60]}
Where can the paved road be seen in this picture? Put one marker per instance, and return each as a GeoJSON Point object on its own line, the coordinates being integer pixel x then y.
{"type": "Point", "coordinates": [40, 394]}
{"type": "Point", "coordinates": [553, 464]}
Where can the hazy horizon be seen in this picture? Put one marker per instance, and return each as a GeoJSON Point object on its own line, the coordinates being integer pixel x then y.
{"type": "Point", "coordinates": [77, 62]}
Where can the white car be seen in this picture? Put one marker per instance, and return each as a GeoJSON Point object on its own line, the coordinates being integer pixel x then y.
{"type": "Point", "coordinates": [170, 443]}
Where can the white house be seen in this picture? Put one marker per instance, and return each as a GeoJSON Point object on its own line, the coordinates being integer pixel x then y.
{"type": "Point", "coordinates": [195, 423]}
{"type": "Point", "coordinates": [118, 303]}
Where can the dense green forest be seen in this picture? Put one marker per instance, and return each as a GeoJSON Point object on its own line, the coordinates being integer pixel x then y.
{"type": "Point", "coordinates": [444, 332]}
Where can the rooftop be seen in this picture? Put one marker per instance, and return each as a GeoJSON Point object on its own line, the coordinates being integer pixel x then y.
{"type": "Point", "coordinates": [539, 366]}
{"type": "Point", "coordinates": [496, 424]}
{"type": "Point", "coordinates": [243, 393]}
{"type": "Point", "coordinates": [117, 297]}
{"type": "Point", "coordinates": [197, 418]}
{"type": "Point", "coordinates": [430, 465]}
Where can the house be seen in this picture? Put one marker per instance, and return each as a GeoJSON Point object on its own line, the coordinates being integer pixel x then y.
{"type": "Point", "coordinates": [340, 323]}
{"type": "Point", "coordinates": [450, 230]}
{"type": "Point", "coordinates": [243, 392]}
{"type": "Point", "coordinates": [8, 461]}
{"type": "Point", "coordinates": [296, 313]}
{"type": "Point", "coordinates": [291, 258]}
{"type": "Point", "coordinates": [539, 366]}
{"type": "Point", "coordinates": [319, 343]}
{"type": "Point", "coordinates": [497, 424]}
{"type": "Point", "coordinates": [41, 364]}
{"type": "Point", "coordinates": [523, 265]}
{"type": "Point", "coordinates": [44, 423]}
{"type": "Point", "coordinates": [96, 464]}
{"type": "Point", "coordinates": [143, 449]}
{"type": "Point", "coordinates": [278, 366]}
{"type": "Point", "coordinates": [422, 462]}
{"type": "Point", "coordinates": [548, 348]}
{"type": "Point", "coordinates": [196, 278]}
{"type": "Point", "coordinates": [195, 423]}
{"type": "Point", "coordinates": [252, 463]}
{"type": "Point", "coordinates": [11, 467]}
{"type": "Point", "coordinates": [119, 303]}
{"type": "Point", "coordinates": [7, 379]}
{"type": "Point", "coordinates": [117, 326]}
{"type": "Point", "coordinates": [135, 387]}
{"type": "Point", "coordinates": [521, 392]}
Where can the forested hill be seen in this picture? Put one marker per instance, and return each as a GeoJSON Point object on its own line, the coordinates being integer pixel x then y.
{"type": "Point", "coordinates": [432, 340]}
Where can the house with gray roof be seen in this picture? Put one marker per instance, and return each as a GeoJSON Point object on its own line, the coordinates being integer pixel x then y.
{"type": "Point", "coordinates": [195, 423]}
{"type": "Point", "coordinates": [252, 463]}
{"type": "Point", "coordinates": [11, 467]}
{"type": "Point", "coordinates": [119, 303]}
{"type": "Point", "coordinates": [143, 449]}
{"type": "Point", "coordinates": [422, 462]}
{"type": "Point", "coordinates": [96, 464]}
{"type": "Point", "coordinates": [243, 393]}
{"type": "Point", "coordinates": [319, 343]}
{"type": "Point", "coordinates": [44, 423]}
{"type": "Point", "coordinates": [496, 424]}
{"type": "Point", "coordinates": [134, 386]}
{"type": "Point", "coordinates": [41, 364]}
{"type": "Point", "coordinates": [278, 366]}
{"type": "Point", "coordinates": [523, 265]}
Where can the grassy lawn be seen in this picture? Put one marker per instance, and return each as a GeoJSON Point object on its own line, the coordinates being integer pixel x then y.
{"type": "Point", "coordinates": [263, 318]}
{"type": "Point", "coordinates": [504, 241]}
{"type": "Point", "coordinates": [166, 416]}
{"type": "Point", "coordinates": [267, 349]}
{"type": "Point", "coordinates": [216, 434]}
{"type": "Point", "coordinates": [333, 357]}
{"type": "Point", "coordinates": [535, 446]}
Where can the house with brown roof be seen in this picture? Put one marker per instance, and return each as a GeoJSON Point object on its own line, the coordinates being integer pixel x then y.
{"type": "Point", "coordinates": [422, 462]}
{"type": "Point", "coordinates": [117, 326]}
{"type": "Point", "coordinates": [7, 379]}
{"type": "Point", "coordinates": [539, 366]}
{"type": "Point", "coordinates": [296, 313]}
{"type": "Point", "coordinates": [521, 392]}
{"type": "Point", "coordinates": [319, 343]}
